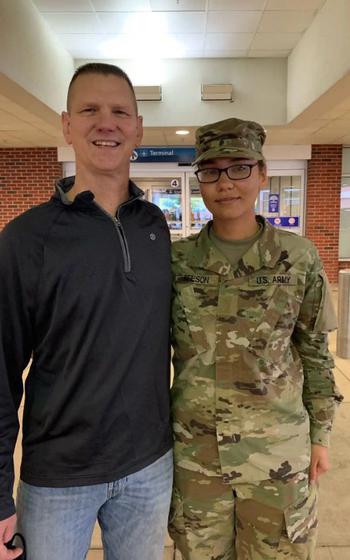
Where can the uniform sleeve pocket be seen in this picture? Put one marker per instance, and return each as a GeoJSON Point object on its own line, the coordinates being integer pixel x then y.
{"type": "Point", "coordinates": [326, 319]}
{"type": "Point", "coordinates": [301, 516]}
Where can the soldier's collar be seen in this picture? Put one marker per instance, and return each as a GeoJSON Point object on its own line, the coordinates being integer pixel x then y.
{"type": "Point", "coordinates": [265, 252]}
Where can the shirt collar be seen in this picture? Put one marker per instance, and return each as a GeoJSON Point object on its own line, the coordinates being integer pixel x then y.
{"type": "Point", "coordinates": [265, 252]}
{"type": "Point", "coordinates": [64, 185]}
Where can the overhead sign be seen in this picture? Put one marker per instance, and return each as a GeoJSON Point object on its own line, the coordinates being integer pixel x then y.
{"type": "Point", "coordinates": [163, 154]}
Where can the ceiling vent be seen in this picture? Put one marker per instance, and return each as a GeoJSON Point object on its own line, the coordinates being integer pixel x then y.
{"type": "Point", "coordinates": [216, 92]}
{"type": "Point", "coordinates": [148, 93]}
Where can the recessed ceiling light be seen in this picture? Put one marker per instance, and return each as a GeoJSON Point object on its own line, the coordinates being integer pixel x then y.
{"type": "Point", "coordinates": [182, 132]}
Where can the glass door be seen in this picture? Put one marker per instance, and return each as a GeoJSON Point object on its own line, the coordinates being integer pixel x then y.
{"type": "Point", "coordinates": [166, 191]}
{"type": "Point", "coordinates": [177, 194]}
{"type": "Point", "coordinates": [281, 202]}
{"type": "Point", "coordinates": [198, 215]}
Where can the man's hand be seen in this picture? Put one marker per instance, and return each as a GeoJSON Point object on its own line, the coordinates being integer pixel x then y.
{"type": "Point", "coordinates": [319, 461]}
{"type": "Point", "coordinates": [7, 530]}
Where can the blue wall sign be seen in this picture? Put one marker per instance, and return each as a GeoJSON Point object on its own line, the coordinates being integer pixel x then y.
{"type": "Point", "coordinates": [161, 154]}
{"type": "Point", "coordinates": [284, 221]}
{"type": "Point", "coordinates": [274, 203]}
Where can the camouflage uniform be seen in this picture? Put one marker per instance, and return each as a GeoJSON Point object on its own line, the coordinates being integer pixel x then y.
{"type": "Point", "coordinates": [252, 389]}
{"type": "Point", "coordinates": [253, 385]}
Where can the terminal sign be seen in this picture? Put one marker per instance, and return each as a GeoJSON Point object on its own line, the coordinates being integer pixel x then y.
{"type": "Point", "coordinates": [159, 154]}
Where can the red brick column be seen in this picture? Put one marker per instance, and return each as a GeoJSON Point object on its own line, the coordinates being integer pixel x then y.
{"type": "Point", "coordinates": [27, 177]}
{"type": "Point", "coordinates": [323, 204]}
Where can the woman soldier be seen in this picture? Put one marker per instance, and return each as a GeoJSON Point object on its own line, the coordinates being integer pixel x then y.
{"type": "Point", "coordinates": [254, 396]}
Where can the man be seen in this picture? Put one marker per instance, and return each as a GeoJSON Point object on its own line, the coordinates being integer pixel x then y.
{"type": "Point", "coordinates": [85, 289]}
{"type": "Point", "coordinates": [253, 393]}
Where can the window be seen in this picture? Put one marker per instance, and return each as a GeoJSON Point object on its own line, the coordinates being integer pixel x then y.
{"type": "Point", "coordinates": [344, 233]}
{"type": "Point", "coordinates": [281, 202]}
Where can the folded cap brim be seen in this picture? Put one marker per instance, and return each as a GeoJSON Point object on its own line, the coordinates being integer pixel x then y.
{"type": "Point", "coordinates": [229, 152]}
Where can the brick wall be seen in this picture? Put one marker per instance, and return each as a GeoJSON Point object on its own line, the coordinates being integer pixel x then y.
{"type": "Point", "coordinates": [27, 177]}
{"type": "Point", "coordinates": [323, 204]}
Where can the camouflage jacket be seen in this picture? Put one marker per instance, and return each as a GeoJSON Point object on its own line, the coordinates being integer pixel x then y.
{"type": "Point", "coordinates": [253, 384]}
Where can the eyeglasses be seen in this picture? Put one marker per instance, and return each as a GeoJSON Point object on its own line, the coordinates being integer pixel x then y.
{"type": "Point", "coordinates": [236, 172]}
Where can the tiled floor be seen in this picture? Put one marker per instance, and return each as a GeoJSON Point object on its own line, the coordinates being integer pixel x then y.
{"type": "Point", "coordinates": [334, 534]}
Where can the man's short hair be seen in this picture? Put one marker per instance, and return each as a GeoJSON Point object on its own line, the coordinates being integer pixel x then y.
{"type": "Point", "coordinates": [100, 68]}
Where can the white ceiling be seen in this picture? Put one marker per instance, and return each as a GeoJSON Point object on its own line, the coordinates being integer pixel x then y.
{"type": "Point", "coordinates": [103, 29]}
{"type": "Point", "coordinates": [183, 28]}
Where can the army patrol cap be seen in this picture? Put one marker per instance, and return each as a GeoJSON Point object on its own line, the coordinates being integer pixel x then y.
{"type": "Point", "coordinates": [230, 138]}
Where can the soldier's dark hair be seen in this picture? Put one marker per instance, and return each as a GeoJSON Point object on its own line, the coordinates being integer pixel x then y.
{"type": "Point", "coordinates": [262, 165]}
{"type": "Point", "coordinates": [103, 69]}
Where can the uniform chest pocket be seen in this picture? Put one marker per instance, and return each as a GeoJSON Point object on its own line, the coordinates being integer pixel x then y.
{"type": "Point", "coordinates": [269, 314]}
{"type": "Point", "coordinates": [194, 315]}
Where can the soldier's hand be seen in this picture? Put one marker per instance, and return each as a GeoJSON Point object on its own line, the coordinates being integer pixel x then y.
{"type": "Point", "coordinates": [7, 529]}
{"type": "Point", "coordinates": [319, 461]}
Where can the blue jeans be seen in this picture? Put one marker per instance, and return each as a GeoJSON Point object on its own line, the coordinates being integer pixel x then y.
{"type": "Point", "coordinates": [132, 512]}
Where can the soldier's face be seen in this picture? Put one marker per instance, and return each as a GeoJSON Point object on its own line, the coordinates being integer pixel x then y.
{"type": "Point", "coordinates": [230, 199]}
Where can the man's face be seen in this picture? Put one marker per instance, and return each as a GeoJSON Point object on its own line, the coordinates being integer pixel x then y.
{"type": "Point", "coordinates": [102, 123]}
{"type": "Point", "coordinates": [230, 199]}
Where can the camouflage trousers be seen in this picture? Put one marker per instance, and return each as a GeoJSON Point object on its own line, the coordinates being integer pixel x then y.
{"type": "Point", "coordinates": [269, 520]}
